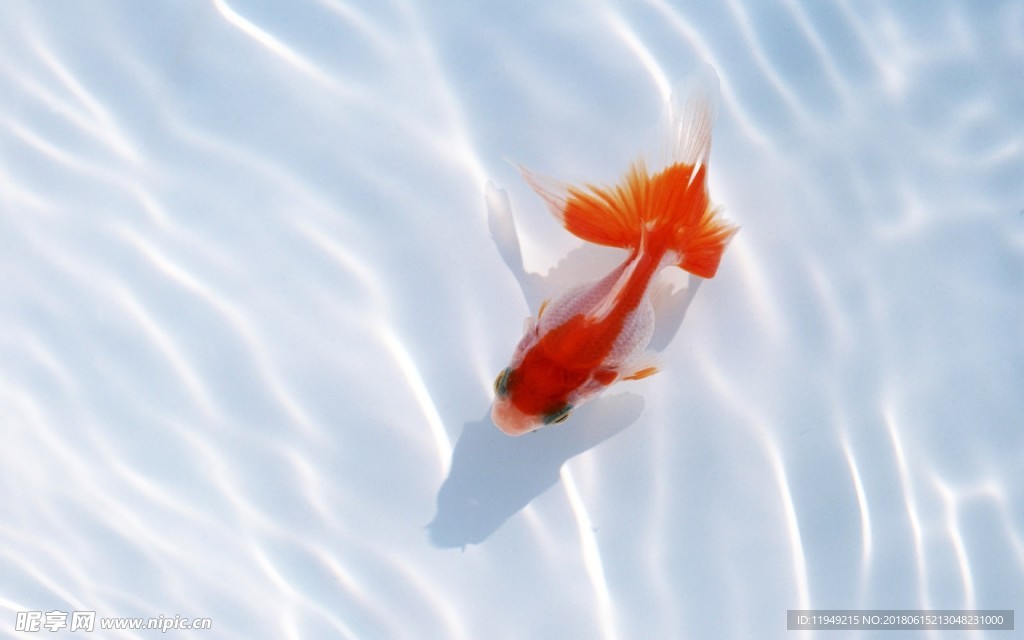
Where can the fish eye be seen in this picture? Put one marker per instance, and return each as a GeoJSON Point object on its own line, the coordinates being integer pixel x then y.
{"type": "Point", "coordinates": [559, 416]}
{"type": "Point", "coordinates": [501, 382]}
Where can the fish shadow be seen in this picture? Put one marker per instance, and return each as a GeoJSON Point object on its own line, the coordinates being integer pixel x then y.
{"type": "Point", "coordinates": [493, 476]}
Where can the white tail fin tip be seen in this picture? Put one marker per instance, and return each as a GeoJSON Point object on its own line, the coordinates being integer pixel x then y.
{"type": "Point", "coordinates": [694, 109]}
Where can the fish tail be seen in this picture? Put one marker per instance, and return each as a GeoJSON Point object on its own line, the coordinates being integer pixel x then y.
{"type": "Point", "coordinates": [669, 212]}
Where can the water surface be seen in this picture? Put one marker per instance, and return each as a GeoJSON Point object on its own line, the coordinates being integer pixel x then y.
{"type": "Point", "coordinates": [252, 309]}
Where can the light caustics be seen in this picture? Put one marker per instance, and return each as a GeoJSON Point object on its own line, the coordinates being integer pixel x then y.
{"type": "Point", "coordinates": [591, 555]}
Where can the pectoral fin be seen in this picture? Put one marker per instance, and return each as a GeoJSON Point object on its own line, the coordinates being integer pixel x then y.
{"type": "Point", "coordinates": [645, 365]}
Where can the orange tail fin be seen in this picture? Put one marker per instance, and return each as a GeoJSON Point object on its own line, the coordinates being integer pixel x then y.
{"type": "Point", "coordinates": [669, 211]}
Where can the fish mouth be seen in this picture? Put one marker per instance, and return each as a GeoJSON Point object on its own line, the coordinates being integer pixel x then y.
{"type": "Point", "coordinates": [510, 420]}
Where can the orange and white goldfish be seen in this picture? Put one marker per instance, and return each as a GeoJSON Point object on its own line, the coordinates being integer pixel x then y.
{"type": "Point", "coordinates": [596, 334]}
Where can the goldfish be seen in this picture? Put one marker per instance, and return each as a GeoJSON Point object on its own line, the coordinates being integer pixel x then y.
{"type": "Point", "coordinates": [596, 334]}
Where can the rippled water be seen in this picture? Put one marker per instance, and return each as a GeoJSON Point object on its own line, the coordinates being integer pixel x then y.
{"type": "Point", "coordinates": [252, 309]}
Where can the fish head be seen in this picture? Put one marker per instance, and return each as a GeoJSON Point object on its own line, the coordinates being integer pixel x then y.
{"type": "Point", "coordinates": [539, 393]}
{"type": "Point", "coordinates": [512, 412]}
